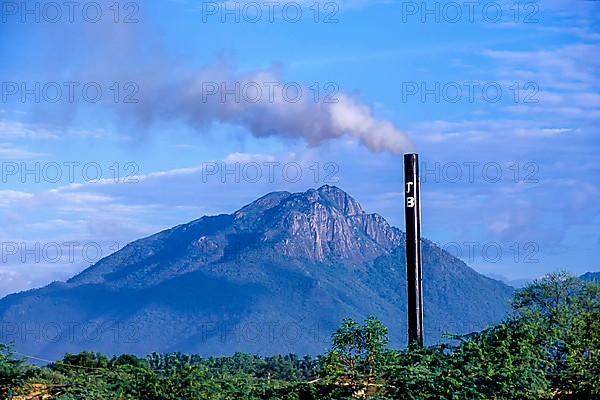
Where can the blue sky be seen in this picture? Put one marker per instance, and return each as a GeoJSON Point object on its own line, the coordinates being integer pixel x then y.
{"type": "Point", "coordinates": [503, 109]}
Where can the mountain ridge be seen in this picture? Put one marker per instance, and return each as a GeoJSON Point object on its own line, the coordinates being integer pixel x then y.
{"type": "Point", "coordinates": [303, 260]}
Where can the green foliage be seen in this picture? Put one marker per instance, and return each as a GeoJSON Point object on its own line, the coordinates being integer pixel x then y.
{"type": "Point", "coordinates": [358, 352]}
{"type": "Point", "coordinates": [14, 372]}
{"type": "Point", "coordinates": [565, 312]}
{"type": "Point", "coordinates": [549, 348]}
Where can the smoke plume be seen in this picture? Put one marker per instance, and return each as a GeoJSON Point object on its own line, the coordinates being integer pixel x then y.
{"type": "Point", "coordinates": [165, 91]}
{"type": "Point", "coordinates": [266, 106]}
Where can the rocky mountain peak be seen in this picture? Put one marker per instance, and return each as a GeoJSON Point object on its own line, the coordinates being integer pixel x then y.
{"type": "Point", "coordinates": [330, 196]}
{"type": "Point", "coordinates": [259, 206]}
{"type": "Point", "coordinates": [340, 199]}
{"type": "Point", "coordinates": [323, 224]}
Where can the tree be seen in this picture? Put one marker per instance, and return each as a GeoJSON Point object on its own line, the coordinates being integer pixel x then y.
{"type": "Point", "coordinates": [14, 372]}
{"type": "Point", "coordinates": [548, 348]}
{"type": "Point", "coordinates": [419, 373]}
{"type": "Point", "coordinates": [358, 352]}
{"type": "Point", "coordinates": [565, 312]}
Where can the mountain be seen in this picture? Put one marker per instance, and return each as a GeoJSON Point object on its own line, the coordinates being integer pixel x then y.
{"type": "Point", "coordinates": [516, 283]}
{"type": "Point", "coordinates": [276, 276]}
{"type": "Point", "coordinates": [521, 283]}
{"type": "Point", "coordinates": [591, 277]}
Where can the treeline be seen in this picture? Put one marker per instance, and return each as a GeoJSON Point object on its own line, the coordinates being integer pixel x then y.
{"type": "Point", "coordinates": [548, 348]}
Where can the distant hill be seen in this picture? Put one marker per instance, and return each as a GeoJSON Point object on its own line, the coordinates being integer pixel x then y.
{"type": "Point", "coordinates": [591, 277]}
{"type": "Point", "coordinates": [520, 283]}
{"type": "Point", "coordinates": [516, 283]}
{"type": "Point", "coordinates": [276, 276]}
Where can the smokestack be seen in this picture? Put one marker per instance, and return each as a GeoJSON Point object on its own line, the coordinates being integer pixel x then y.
{"type": "Point", "coordinates": [412, 212]}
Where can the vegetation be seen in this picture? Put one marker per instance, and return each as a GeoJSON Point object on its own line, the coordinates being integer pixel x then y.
{"type": "Point", "coordinates": [548, 348]}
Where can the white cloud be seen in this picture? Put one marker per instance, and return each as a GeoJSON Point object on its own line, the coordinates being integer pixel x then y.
{"type": "Point", "coordinates": [10, 152]}
{"type": "Point", "coordinates": [245, 158]}
{"type": "Point", "coordinates": [7, 197]}
{"type": "Point", "coordinates": [441, 131]}
{"type": "Point", "coordinates": [554, 67]}
{"type": "Point", "coordinates": [17, 129]}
